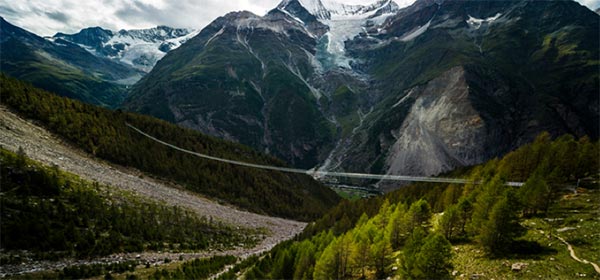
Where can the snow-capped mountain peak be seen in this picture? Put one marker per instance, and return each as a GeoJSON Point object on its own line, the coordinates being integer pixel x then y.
{"type": "Point", "coordinates": [340, 10]}
{"type": "Point", "coordinates": [344, 21]}
{"type": "Point", "coordinates": [140, 48]}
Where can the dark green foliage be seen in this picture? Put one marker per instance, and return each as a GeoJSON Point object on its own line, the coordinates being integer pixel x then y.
{"type": "Point", "coordinates": [427, 257]}
{"type": "Point", "coordinates": [103, 133]}
{"type": "Point", "coordinates": [196, 269]}
{"type": "Point", "coordinates": [502, 227]}
{"type": "Point", "coordinates": [231, 274]}
{"type": "Point", "coordinates": [419, 215]}
{"type": "Point", "coordinates": [450, 221]}
{"type": "Point", "coordinates": [91, 270]}
{"type": "Point", "coordinates": [535, 195]}
{"type": "Point", "coordinates": [55, 214]}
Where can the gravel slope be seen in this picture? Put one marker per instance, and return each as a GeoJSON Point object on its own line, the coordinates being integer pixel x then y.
{"type": "Point", "coordinates": [41, 145]}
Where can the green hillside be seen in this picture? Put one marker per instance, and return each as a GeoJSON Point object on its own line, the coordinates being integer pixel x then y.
{"type": "Point", "coordinates": [430, 231]}
{"type": "Point", "coordinates": [103, 133]}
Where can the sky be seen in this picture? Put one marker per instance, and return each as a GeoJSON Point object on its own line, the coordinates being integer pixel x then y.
{"type": "Point", "coordinates": [47, 17]}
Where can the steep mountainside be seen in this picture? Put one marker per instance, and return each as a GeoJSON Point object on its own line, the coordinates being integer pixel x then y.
{"type": "Point", "coordinates": [419, 90]}
{"type": "Point", "coordinates": [63, 67]}
{"type": "Point", "coordinates": [251, 79]}
{"type": "Point", "coordinates": [138, 48]}
{"type": "Point", "coordinates": [104, 134]}
{"type": "Point", "coordinates": [243, 78]}
{"type": "Point", "coordinates": [479, 79]}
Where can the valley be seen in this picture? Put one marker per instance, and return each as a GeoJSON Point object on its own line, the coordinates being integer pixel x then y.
{"type": "Point", "coordinates": [303, 139]}
{"type": "Point", "coordinates": [43, 146]}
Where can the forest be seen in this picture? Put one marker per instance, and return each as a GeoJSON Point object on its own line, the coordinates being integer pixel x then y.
{"type": "Point", "coordinates": [53, 214]}
{"type": "Point", "coordinates": [411, 233]}
{"type": "Point", "coordinates": [104, 134]}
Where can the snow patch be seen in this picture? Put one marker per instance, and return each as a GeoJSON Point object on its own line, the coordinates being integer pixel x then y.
{"type": "Point", "coordinates": [214, 36]}
{"type": "Point", "coordinates": [403, 98]}
{"type": "Point", "coordinates": [478, 22]}
{"type": "Point", "coordinates": [292, 16]}
{"type": "Point", "coordinates": [348, 21]}
{"type": "Point", "coordinates": [316, 8]}
{"type": "Point", "coordinates": [411, 36]}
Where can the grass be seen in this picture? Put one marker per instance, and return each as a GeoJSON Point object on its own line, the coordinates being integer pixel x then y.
{"type": "Point", "coordinates": [551, 259]}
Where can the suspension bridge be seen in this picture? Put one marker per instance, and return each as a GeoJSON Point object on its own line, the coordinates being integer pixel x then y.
{"type": "Point", "coordinates": [320, 174]}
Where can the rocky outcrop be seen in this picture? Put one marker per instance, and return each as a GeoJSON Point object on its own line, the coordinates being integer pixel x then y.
{"type": "Point", "coordinates": [441, 131]}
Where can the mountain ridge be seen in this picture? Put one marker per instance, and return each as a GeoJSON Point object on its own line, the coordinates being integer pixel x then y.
{"type": "Point", "coordinates": [139, 48]}
{"type": "Point", "coordinates": [63, 67]}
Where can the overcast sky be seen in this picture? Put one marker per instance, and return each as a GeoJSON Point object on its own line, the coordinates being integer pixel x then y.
{"type": "Point", "coordinates": [46, 17]}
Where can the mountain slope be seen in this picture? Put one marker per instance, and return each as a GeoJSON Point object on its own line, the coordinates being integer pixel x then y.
{"type": "Point", "coordinates": [419, 90]}
{"type": "Point", "coordinates": [253, 80]}
{"type": "Point", "coordinates": [243, 78]}
{"type": "Point", "coordinates": [103, 133]}
{"type": "Point", "coordinates": [519, 74]}
{"type": "Point", "coordinates": [63, 67]}
{"type": "Point", "coordinates": [140, 49]}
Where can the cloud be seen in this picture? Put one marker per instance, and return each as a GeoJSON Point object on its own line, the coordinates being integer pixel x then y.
{"type": "Point", "coordinates": [46, 17]}
{"type": "Point", "coordinates": [592, 4]}
{"type": "Point", "coordinates": [58, 16]}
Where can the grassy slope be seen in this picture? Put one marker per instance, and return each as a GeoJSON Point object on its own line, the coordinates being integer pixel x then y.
{"type": "Point", "coordinates": [579, 211]}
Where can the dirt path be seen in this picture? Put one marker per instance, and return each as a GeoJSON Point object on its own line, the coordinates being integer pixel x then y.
{"type": "Point", "coordinates": [574, 256]}
{"type": "Point", "coordinates": [42, 146]}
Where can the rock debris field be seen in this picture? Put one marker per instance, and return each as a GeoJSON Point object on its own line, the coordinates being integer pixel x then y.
{"type": "Point", "coordinates": [41, 145]}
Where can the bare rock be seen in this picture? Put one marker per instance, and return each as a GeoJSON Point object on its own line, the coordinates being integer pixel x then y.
{"type": "Point", "coordinates": [518, 266]}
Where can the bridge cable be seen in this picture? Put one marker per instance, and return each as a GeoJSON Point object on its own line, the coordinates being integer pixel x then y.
{"type": "Point", "coordinates": [317, 173]}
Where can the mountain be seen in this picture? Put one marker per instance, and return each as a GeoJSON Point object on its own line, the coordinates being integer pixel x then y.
{"type": "Point", "coordinates": [479, 78]}
{"type": "Point", "coordinates": [375, 88]}
{"type": "Point", "coordinates": [63, 67]}
{"type": "Point", "coordinates": [248, 79]}
{"type": "Point", "coordinates": [140, 49]}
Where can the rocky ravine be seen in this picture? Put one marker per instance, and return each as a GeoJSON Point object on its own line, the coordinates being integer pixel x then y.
{"type": "Point", "coordinates": [41, 145]}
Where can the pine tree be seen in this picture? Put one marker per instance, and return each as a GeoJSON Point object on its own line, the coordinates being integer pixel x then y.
{"type": "Point", "coordinates": [412, 248]}
{"type": "Point", "coordinates": [398, 226]}
{"type": "Point", "coordinates": [449, 222]}
{"type": "Point", "coordinates": [535, 194]}
{"type": "Point", "coordinates": [434, 258]}
{"type": "Point", "coordinates": [502, 227]}
{"type": "Point", "coordinates": [419, 215]}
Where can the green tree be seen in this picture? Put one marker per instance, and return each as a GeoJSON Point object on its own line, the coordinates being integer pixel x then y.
{"type": "Point", "coordinates": [535, 194]}
{"type": "Point", "coordinates": [450, 221]}
{"type": "Point", "coordinates": [334, 261]}
{"type": "Point", "coordinates": [409, 253]}
{"type": "Point", "coordinates": [419, 215]}
{"type": "Point", "coordinates": [491, 191]}
{"type": "Point", "coordinates": [502, 226]}
{"type": "Point", "coordinates": [434, 258]}
{"type": "Point", "coordinates": [398, 226]}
